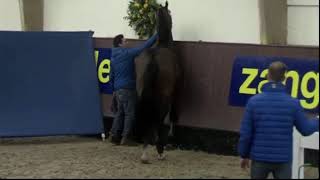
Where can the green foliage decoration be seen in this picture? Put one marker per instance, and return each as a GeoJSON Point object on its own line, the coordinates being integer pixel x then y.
{"type": "Point", "coordinates": [142, 17]}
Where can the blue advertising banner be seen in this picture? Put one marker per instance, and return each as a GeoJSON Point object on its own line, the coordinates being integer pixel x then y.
{"type": "Point", "coordinates": [249, 75]}
{"type": "Point", "coordinates": [103, 62]}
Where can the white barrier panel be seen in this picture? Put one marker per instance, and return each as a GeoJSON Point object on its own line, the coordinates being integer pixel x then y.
{"type": "Point", "coordinates": [299, 144]}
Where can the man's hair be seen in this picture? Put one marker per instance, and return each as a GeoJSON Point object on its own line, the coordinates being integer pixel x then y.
{"type": "Point", "coordinates": [117, 40]}
{"type": "Point", "coordinates": [277, 71]}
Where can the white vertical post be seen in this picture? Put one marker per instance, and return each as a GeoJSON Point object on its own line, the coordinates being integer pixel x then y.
{"type": "Point", "coordinates": [299, 144]}
{"type": "Point", "coordinates": [301, 163]}
{"type": "Point", "coordinates": [296, 163]}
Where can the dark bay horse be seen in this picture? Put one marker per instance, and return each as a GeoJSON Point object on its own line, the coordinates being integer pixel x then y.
{"type": "Point", "coordinates": [157, 72]}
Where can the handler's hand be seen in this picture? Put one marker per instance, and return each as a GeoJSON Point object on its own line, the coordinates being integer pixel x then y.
{"type": "Point", "coordinates": [245, 163]}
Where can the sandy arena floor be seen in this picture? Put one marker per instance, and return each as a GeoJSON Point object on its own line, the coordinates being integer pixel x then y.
{"type": "Point", "coordinates": [84, 157]}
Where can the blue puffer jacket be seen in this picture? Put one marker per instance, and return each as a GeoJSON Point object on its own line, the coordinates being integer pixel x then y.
{"type": "Point", "coordinates": [267, 126]}
{"type": "Point", "coordinates": [122, 65]}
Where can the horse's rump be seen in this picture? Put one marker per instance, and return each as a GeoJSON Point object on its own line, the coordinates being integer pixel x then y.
{"type": "Point", "coordinates": [141, 65]}
{"type": "Point", "coordinates": [156, 73]}
{"type": "Point", "coordinates": [166, 61]}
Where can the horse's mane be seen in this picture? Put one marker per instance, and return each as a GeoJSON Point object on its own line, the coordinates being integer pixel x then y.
{"type": "Point", "coordinates": [164, 26]}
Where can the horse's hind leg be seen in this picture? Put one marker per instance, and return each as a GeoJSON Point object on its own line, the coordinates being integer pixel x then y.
{"type": "Point", "coordinates": [162, 141]}
{"type": "Point", "coordinates": [146, 141]}
{"type": "Point", "coordinates": [161, 129]}
{"type": "Point", "coordinates": [144, 158]}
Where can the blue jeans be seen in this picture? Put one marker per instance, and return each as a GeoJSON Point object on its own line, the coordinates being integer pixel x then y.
{"type": "Point", "coordinates": [261, 170]}
{"type": "Point", "coordinates": [125, 115]}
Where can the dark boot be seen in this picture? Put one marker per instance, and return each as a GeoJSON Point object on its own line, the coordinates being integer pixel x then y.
{"type": "Point", "coordinates": [113, 139]}
{"type": "Point", "coordinates": [124, 141]}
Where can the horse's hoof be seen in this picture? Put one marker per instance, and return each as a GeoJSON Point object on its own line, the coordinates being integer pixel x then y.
{"type": "Point", "coordinates": [161, 157]}
{"type": "Point", "coordinates": [144, 159]}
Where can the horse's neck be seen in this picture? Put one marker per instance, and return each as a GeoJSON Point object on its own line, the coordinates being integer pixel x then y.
{"type": "Point", "coordinates": [165, 40]}
{"type": "Point", "coordinates": [164, 45]}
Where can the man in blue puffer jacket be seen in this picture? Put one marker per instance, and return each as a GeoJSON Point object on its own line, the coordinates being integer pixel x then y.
{"type": "Point", "coordinates": [266, 133]}
{"type": "Point", "coordinates": [123, 82]}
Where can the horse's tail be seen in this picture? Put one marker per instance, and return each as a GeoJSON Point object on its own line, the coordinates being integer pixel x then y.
{"type": "Point", "coordinates": [174, 114]}
{"type": "Point", "coordinates": [146, 104]}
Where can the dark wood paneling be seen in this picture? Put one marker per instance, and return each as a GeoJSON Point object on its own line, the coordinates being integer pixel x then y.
{"type": "Point", "coordinates": [203, 100]}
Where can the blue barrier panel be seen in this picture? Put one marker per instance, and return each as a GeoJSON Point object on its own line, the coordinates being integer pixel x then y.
{"type": "Point", "coordinates": [249, 75]}
{"type": "Point", "coordinates": [48, 84]}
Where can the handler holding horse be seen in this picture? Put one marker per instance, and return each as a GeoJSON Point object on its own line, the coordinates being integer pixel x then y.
{"type": "Point", "coordinates": [123, 82]}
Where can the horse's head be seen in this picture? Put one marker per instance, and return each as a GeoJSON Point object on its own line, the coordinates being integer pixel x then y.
{"type": "Point", "coordinates": [164, 17]}
{"type": "Point", "coordinates": [164, 23]}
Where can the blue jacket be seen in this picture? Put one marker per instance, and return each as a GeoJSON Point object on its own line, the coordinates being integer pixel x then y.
{"type": "Point", "coordinates": [267, 126]}
{"type": "Point", "coordinates": [122, 65]}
